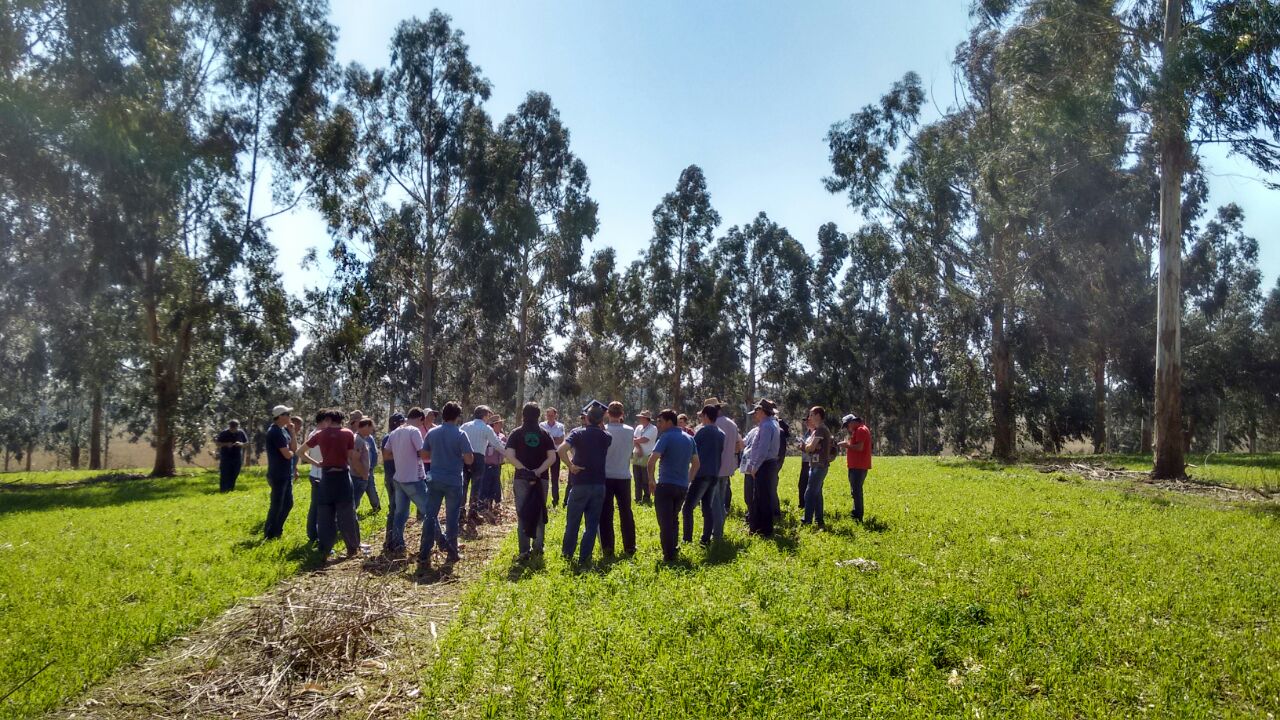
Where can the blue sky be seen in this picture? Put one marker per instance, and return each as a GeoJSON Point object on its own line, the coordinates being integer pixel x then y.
{"type": "Point", "coordinates": [746, 90]}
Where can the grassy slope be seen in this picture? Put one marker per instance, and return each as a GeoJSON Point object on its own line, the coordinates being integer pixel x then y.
{"type": "Point", "coordinates": [93, 575]}
{"type": "Point", "coordinates": [1000, 593]}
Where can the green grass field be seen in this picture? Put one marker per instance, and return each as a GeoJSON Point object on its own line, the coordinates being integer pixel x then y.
{"type": "Point", "coordinates": [94, 574]}
{"type": "Point", "coordinates": [999, 593]}
{"type": "Point", "coordinates": [1240, 470]}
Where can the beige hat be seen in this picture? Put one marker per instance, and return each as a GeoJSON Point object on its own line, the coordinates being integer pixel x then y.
{"type": "Point", "coordinates": [712, 401]}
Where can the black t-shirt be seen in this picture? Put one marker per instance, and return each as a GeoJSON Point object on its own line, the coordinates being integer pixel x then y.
{"type": "Point", "coordinates": [590, 448]}
{"type": "Point", "coordinates": [278, 468]}
{"type": "Point", "coordinates": [228, 436]}
{"type": "Point", "coordinates": [531, 445]}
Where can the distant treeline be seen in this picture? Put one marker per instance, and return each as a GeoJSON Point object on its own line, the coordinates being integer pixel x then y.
{"type": "Point", "coordinates": [1000, 292]}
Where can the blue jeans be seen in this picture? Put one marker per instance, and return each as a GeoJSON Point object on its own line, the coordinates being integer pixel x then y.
{"type": "Point", "coordinates": [406, 494]}
{"type": "Point", "coordinates": [451, 497]}
{"type": "Point", "coordinates": [856, 479]}
{"type": "Point", "coordinates": [358, 485]}
{"type": "Point", "coordinates": [813, 493]}
{"type": "Point", "coordinates": [583, 504]}
{"type": "Point", "coordinates": [700, 491]}
{"type": "Point", "coordinates": [492, 494]}
{"type": "Point", "coordinates": [719, 507]}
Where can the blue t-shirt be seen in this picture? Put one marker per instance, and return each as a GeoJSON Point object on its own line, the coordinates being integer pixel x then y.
{"type": "Point", "coordinates": [710, 442]}
{"type": "Point", "coordinates": [447, 444]}
{"type": "Point", "coordinates": [372, 445]}
{"type": "Point", "coordinates": [676, 449]}
{"type": "Point", "coordinates": [590, 449]}
{"type": "Point", "coordinates": [278, 467]}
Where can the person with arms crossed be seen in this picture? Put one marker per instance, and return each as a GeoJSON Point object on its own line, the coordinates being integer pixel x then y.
{"type": "Point", "coordinates": [670, 483]}
{"type": "Point", "coordinates": [281, 447]}
{"type": "Point", "coordinates": [532, 451]}
{"type": "Point", "coordinates": [645, 435]}
{"type": "Point", "coordinates": [820, 447]}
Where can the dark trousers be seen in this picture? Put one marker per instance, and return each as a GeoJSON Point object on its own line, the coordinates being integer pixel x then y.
{"type": "Point", "coordinates": [228, 471]}
{"type": "Point", "coordinates": [553, 477]}
{"type": "Point", "coordinates": [856, 479]}
{"type": "Point", "coordinates": [615, 489]}
{"type": "Point", "coordinates": [640, 474]}
{"type": "Point", "coordinates": [804, 481]}
{"type": "Point", "coordinates": [701, 490]}
{"type": "Point", "coordinates": [764, 490]}
{"type": "Point", "coordinates": [281, 504]}
{"type": "Point", "coordinates": [667, 501]}
{"type": "Point", "coordinates": [313, 532]}
{"type": "Point", "coordinates": [389, 483]}
{"type": "Point", "coordinates": [335, 512]}
{"type": "Point", "coordinates": [473, 478]}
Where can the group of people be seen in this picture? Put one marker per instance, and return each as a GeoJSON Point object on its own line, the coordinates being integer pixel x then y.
{"type": "Point", "coordinates": [432, 459]}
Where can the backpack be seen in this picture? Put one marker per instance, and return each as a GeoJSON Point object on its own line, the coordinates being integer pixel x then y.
{"type": "Point", "coordinates": [784, 437]}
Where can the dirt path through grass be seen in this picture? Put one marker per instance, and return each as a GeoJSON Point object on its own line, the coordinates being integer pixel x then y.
{"type": "Point", "coordinates": [347, 641]}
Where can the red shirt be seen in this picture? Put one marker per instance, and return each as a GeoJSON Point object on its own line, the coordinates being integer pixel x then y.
{"type": "Point", "coordinates": [859, 459]}
{"type": "Point", "coordinates": [334, 444]}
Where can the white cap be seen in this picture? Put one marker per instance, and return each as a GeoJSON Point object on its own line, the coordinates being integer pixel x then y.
{"type": "Point", "coordinates": [279, 410]}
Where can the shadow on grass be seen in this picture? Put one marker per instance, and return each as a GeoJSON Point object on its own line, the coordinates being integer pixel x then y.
{"type": "Point", "coordinates": [1267, 510]}
{"type": "Point", "coordinates": [519, 570]}
{"type": "Point", "coordinates": [724, 551]}
{"type": "Point", "coordinates": [874, 524]}
{"type": "Point", "coordinates": [118, 489]}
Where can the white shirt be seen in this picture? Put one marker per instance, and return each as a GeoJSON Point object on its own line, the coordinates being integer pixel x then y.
{"type": "Point", "coordinates": [313, 454]}
{"type": "Point", "coordinates": [650, 431]}
{"type": "Point", "coordinates": [617, 462]}
{"type": "Point", "coordinates": [481, 436]}
{"type": "Point", "coordinates": [728, 458]}
{"type": "Point", "coordinates": [555, 430]}
{"type": "Point", "coordinates": [404, 443]}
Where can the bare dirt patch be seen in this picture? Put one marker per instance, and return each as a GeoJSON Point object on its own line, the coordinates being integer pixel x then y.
{"type": "Point", "coordinates": [346, 641]}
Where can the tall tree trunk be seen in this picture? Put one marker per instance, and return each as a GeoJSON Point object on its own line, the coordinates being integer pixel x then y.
{"type": "Point", "coordinates": [522, 350]}
{"type": "Point", "coordinates": [75, 454]}
{"type": "Point", "coordinates": [428, 309]}
{"type": "Point", "coordinates": [752, 351]}
{"type": "Point", "coordinates": [6, 459]}
{"type": "Point", "coordinates": [1099, 398]}
{"type": "Point", "coordinates": [31, 450]}
{"type": "Point", "coordinates": [1002, 393]}
{"type": "Point", "coordinates": [1222, 427]}
{"type": "Point", "coordinates": [165, 441]}
{"type": "Point", "coordinates": [1144, 435]}
{"type": "Point", "coordinates": [1171, 134]}
{"type": "Point", "coordinates": [95, 430]}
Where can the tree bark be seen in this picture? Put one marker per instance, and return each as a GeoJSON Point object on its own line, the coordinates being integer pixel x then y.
{"type": "Point", "coordinates": [1099, 398]}
{"type": "Point", "coordinates": [31, 450]}
{"type": "Point", "coordinates": [1171, 134]}
{"type": "Point", "coordinates": [95, 430]}
{"type": "Point", "coordinates": [428, 308]}
{"type": "Point", "coordinates": [165, 442]}
{"type": "Point", "coordinates": [1002, 392]}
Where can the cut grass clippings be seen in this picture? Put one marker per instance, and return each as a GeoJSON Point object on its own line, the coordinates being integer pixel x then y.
{"type": "Point", "coordinates": [92, 574]}
{"type": "Point", "coordinates": [976, 592]}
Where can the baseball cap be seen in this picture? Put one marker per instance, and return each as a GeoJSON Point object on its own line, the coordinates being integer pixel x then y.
{"type": "Point", "coordinates": [279, 410]}
{"type": "Point", "coordinates": [850, 418]}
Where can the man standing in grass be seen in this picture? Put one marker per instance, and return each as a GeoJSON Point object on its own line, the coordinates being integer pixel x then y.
{"type": "Point", "coordinates": [617, 481]}
{"type": "Point", "coordinates": [820, 447]}
{"type": "Point", "coordinates": [857, 458]}
{"type": "Point", "coordinates": [761, 463]}
{"type": "Point", "coordinates": [389, 474]}
{"type": "Point", "coordinates": [531, 450]}
{"type": "Point", "coordinates": [280, 449]}
{"type": "Point", "coordinates": [335, 509]}
{"type": "Point", "coordinates": [482, 437]}
{"type": "Point", "coordinates": [584, 451]}
{"type": "Point", "coordinates": [405, 444]}
{"type": "Point", "coordinates": [555, 429]}
{"type": "Point", "coordinates": [295, 432]}
{"type": "Point", "coordinates": [448, 451]}
{"type": "Point", "coordinates": [314, 459]}
{"type": "Point", "coordinates": [704, 490]}
{"type": "Point", "coordinates": [361, 486]}
{"type": "Point", "coordinates": [728, 463]}
{"type": "Point", "coordinates": [231, 444]}
{"type": "Point", "coordinates": [645, 436]}
{"type": "Point", "coordinates": [679, 466]}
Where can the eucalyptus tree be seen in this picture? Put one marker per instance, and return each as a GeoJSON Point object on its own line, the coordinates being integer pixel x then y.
{"type": "Point", "coordinates": [549, 215]}
{"type": "Point", "coordinates": [684, 224]}
{"type": "Point", "coordinates": [405, 146]}
{"type": "Point", "coordinates": [767, 271]}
